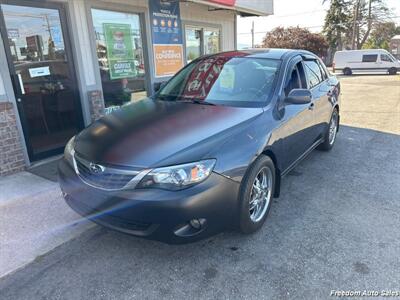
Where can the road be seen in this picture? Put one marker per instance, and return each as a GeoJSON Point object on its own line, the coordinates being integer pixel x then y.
{"type": "Point", "coordinates": [335, 227]}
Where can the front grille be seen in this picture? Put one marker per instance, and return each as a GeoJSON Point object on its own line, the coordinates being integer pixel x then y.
{"type": "Point", "coordinates": [110, 178]}
{"type": "Point", "coordinates": [105, 218]}
{"type": "Point", "coordinates": [126, 224]}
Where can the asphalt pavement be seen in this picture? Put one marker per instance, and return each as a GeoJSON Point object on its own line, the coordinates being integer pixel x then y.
{"type": "Point", "coordinates": [335, 227]}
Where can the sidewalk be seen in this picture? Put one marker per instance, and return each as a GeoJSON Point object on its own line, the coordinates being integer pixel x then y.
{"type": "Point", "coordinates": [34, 219]}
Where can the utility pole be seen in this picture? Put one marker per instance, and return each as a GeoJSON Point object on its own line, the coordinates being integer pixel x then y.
{"type": "Point", "coordinates": [252, 35]}
{"type": "Point", "coordinates": [355, 25]}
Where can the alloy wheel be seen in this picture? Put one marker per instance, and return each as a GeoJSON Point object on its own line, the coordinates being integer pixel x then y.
{"type": "Point", "coordinates": [260, 195]}
{"type": "Point", "coordinates": [333, 128]}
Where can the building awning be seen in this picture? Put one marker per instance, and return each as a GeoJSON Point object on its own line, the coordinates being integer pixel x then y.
{"type": "Point", "coordinates": [244, 7]}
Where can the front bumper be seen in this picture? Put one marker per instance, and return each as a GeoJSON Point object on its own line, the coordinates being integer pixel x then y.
{"type": "Point", "coordinates": [153, 213]}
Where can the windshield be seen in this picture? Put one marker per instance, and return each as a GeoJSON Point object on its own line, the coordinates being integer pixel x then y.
{"type": "Point", "coordinates": [392, 57]}
{"type": "Point", "coordinates": [224, 80]}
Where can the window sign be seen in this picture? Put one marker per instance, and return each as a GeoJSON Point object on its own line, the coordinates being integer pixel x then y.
{"type": "Point", "coordinates": [120, 57]}
{"type": "Point", "coordinates": [167, 37]}
{"type": "Point", "coordinates": [120, 50]}
{"type": "Point", "coordinates": [39, 72]}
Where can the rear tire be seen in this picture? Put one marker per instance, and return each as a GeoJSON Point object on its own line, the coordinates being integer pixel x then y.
{"type": "Point", "coordinates": [392, 71]}
{"type": "Point", "coordinates": [256, 194]}
{"type": "Point", "coordinates": [347, 71]}
{"type": "Point", "coordinates": [331, 131]}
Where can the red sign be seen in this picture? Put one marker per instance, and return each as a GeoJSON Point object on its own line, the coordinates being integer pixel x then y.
{"type": "Point", "coordinates": [205, 74]}
{"type": "Point", "coordinates": [224, 2]}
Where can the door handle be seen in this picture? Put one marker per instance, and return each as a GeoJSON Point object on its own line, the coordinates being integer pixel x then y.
{"type": "Point", "coordinates": [21, 84]}
{"type": "Point", "coordinates": [311, 107]}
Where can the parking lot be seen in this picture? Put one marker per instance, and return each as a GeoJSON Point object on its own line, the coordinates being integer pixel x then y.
{"type": "Point", "coordinates": [335, 227]}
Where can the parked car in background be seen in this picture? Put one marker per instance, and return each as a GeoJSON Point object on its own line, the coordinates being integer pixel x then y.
{"type": "Point", "coordinates": [207, 152]}
{"type": "Point", "coordinates": [365, 61]}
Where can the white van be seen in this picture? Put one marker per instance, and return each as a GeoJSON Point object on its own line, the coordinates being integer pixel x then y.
{"type": "Point", "coordinates": [365, 61]}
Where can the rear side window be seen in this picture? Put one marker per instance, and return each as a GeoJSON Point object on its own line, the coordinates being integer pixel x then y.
{"type": "Point", "coordinates": [385, 57]}
{"type": "Point", "coordinates": [369, 58]}
{"type": "Point", "coordinates": [313, 71]}
{"type": "Point", "coordinates": [323, 71]}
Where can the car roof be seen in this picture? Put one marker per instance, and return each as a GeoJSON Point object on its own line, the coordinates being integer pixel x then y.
{"type": "Point", "coordinates": [361, 50]}
{"type": "Point", "coordinates": [271, 53]}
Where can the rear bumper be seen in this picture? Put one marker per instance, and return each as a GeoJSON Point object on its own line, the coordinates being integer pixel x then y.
{"type": "Point", "coordinates": [153, 213]}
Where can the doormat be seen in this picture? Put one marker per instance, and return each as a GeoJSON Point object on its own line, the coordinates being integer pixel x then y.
{"type": "Point", "coordinates": [47, 170]}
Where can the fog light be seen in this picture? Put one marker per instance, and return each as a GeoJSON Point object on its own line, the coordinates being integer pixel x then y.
{"type": "Point", "coordinates": [191, 228]}
{"type": "Point", "coordinates": [195, 223]}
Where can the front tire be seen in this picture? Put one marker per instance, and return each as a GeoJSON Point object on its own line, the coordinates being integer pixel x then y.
{"type": "Point", "coordinates": [347, 71]}
{"type": "Point", "coordinates": [256, 194]}
{"type": "Point", "coordinates": [392, 71]}
{"type": "Point", "coordinates": [331, 132]}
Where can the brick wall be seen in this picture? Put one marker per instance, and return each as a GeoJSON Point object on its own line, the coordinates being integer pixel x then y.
{"type": "Point", "coordinates": [96, 105]}
{"type": "Point", "coordinates": [11, 154]}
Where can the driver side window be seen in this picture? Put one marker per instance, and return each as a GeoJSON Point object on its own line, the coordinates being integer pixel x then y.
{"type": "Point", "coordinates": [385, 57]}
{"type": "Point", "coordinates": [296, 79]}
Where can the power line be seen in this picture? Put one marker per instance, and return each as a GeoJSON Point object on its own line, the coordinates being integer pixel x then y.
{"type": "Point", "coordinates": [299, 14]}
{"type": "Point", "coordinates": [313, 26]}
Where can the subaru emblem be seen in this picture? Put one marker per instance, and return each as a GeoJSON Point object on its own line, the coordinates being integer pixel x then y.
{"type": "Point", "coordinates": [96, 169]}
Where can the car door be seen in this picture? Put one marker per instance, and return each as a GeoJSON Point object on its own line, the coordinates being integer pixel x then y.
{"type": "Point", "coordinates": [323, 101]}
{"type": "Point", "coordinates": [319, 87]}
{"type": "Point", "coordinates": [296, 120]}
{"type": "Point", "coordinates": [386, 62]}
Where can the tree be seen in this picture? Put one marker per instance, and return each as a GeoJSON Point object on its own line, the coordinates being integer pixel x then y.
{"type": "Point", "coordinates": [336, 24]}
{"type": "Point", "coordinates": [380, 35]}
{"type": "Point", "coordinates": [370, 13]}
{"type": "Point", "coordinates": [296, 38]}
{"type": "Point", "coordinates": [349, 23]}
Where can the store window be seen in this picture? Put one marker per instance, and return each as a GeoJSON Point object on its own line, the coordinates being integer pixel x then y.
{"type": "Point", "coordinates": [201, 41]}
{"type": "Point", "coordinates": [119, 47]}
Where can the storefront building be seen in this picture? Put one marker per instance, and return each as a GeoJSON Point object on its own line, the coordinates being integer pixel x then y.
{"type": "Point", "coordinates": [63, 64]}
{"type": "Point", "coordinates": [394, 46]}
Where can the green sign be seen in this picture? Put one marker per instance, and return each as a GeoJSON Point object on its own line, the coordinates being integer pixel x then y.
{"type": "Point", "coordinates": [119, 46]}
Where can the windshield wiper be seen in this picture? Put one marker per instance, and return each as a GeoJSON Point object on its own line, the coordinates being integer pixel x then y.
{"type": "Point", "coordinates": [174, 98]}
{"type": "Point", "coordinates": [195, 101]}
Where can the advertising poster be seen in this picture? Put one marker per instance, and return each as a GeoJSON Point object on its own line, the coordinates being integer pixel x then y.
{"type": "Point", "coordinates": [167, 37]}
{"type": "Point", "coordinates": [168, 59]}
{"type": "Point", "coordinates": [119, 46]}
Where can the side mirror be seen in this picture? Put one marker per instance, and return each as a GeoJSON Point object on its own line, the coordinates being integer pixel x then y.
{"type": "Point", "coordinates": [299, 96]}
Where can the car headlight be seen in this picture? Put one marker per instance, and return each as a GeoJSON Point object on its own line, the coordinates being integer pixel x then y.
{"type": "Point", "coordinates": [178, 177]}
{"type": "Point", "coordinates": [69, 151]}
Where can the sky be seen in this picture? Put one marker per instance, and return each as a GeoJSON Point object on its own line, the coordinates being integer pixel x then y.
{"type": "Point", "coordinates": [304, 13]}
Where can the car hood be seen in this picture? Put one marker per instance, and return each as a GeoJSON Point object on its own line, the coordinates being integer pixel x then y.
{"type": "Point", "coordinates": [154, 133]}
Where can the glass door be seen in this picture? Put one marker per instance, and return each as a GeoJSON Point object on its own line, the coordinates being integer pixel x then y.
{"type": "Point", "coordinates": [193, 37]}
{"type": "Point", "coordinates": [41, 69]}
{"type": "Point", "coordinates": [201, 41]}
{"type": "Point", "coordinates": [211, 41]}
